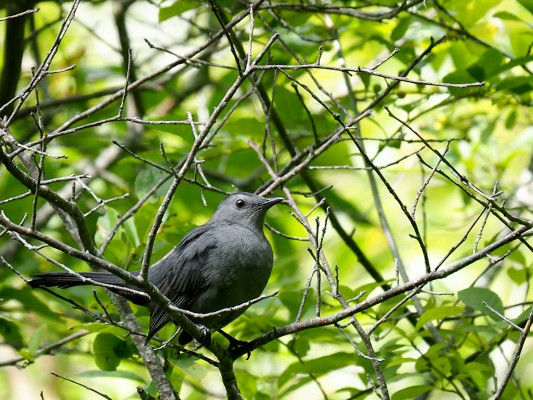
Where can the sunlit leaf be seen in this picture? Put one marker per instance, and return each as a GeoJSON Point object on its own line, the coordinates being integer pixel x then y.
{"type": "Point", "coordinates": [475, 297]}
{"type": "Point", "coordinates": [438, 313]}
{"type": "Point", "coordinates": [411, 392]}
{"type": "Point", "coordinates": [109, 351]}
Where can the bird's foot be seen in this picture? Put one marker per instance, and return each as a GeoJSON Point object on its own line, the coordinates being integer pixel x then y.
{"type": "Point", "coordinates": [206, 338]}
{"type": "Point", "coordinates": [235, 345]}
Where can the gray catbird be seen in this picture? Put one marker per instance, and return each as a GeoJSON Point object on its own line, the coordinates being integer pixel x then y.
{"type": "Point", "coordinates": [223, 263]}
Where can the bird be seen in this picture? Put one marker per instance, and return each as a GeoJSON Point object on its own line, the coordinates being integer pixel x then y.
{"type": "Point", "coordinates": [223, 263]}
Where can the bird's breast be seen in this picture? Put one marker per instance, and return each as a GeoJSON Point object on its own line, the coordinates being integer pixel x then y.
{"type": "Point", "coordinates": [239, 266]}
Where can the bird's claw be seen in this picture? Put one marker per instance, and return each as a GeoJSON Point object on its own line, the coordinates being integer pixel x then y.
{"type": "Point", "coordinates": [236, 345]}
{"type": "Point", "coordinates": [206, 337]}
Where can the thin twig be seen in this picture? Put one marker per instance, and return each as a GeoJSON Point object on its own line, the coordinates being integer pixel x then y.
{"type": "Point", "coordinates": [368, 71]}
{"type": "Point", "coordinates": [516, 357]}
{"type": "Point", "coordinates": [21, 14]}
{"type": "Point", "coordinates": [45, 349]}
{"type": "Point", "coordinates": [83, 386]}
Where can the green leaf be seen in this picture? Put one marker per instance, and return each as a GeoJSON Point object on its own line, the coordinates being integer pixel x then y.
{"type": "Point", "coordinates": [396, 142]}
{"type": "Point", "coordinates": [27, 297]}
{"type": "Point", "coordinates": [399, 30]}
{"type": "Point", "coordinates": [35, 340]}
{"type": "Point", "coordinates": [111, 374]}
{"type": "Point", "coordinates": [440, 358]}
{"type": "Point", "coordinates": [98, 327]}
{"type": "Point", "coordinates": [511, 391]}
{"type": "Point", "coordinates": [518, 275]}
{"type": "Point", "coordinates": [510, 121]}
{"type": "Point", "coordinates": [363, 290]}
{"type": "Point", "coordinates": [477, 72]}
{"type": "Point", "coordinates": [527, 4]}
{"type": "Point", "coordinates": [461, 77]}
{"type": "Point", "coordinates": [10, 332]}
{"type": "Point", "coordinates": [490, 62]}
{"type": "Point", "coordinates": [120, 249]}
{"type": "Point", "coordinates": [506, 15]}
{"type": "Point", "coordinates": [190, 366]}
{"type": "Point", "coordinates": [513, 63]}
{"type": "Point", "coordinates": [131, 232]}
{"type": "Point", "coordinates": [523, 317]}
{"type": "Point", "coordinates": [411, 392]}
{"type": "Point", "coordinates": [516, 84]}
{"type": "Point", "coordinates": [475, 297]}
{"type": "Point", "coordinates": [317, 366]}
{"type": "Point", "coordinates": [177, 8]}
{"type": "Point", "coordinates": [247, 383]}
{"type": "Point", "coordinates": [365, 78]}
{"type": "Point", "coordinates": [488, 130]}
{"type": "Point", "coordinates": [438, 313]}
{"type": "Point", "coordinates": [401, 361]}
{"type": "Point", "coordinates": [292, 300]}
{"type": "Point", "coordinates": [109, 351]}
{"type": "Point", "coordinates": [147, 179]}
{"type": "Point", "coordinates": [484, 369]}
{"type": "Point", "coordinates": [300, 345]}
{"type": "Point", "coordinates": [288, 105]}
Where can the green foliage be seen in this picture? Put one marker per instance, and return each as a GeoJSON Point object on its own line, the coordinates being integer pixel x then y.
{"type": "Point", "coordinates": [109, 351]}
{"type": "Point", "coordinates": [411, 392]}
{"type": "Point", "coordinates": [436, 314]}
{"type": "Point", "coordinates": [480, 298]}
{"type": "Point", "coordinates": [10, 332]}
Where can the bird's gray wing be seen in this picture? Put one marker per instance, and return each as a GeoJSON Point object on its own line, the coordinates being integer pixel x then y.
{"type": "Point", "coordinates": [179, 275]}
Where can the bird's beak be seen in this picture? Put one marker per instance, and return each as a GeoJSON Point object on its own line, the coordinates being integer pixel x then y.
{"type": "Point", "coordinates": [271, 202]}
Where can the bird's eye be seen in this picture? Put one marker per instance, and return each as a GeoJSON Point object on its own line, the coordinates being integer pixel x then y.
{"type": "Point", "coordinates": [239, 203]}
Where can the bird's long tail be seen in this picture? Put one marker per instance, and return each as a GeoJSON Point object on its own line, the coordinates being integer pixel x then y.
{"type": "Point", "coordinates": [65, 280]}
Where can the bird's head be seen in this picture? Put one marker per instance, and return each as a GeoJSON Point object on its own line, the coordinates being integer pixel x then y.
{"type": "Point", "coordinates": [246, 208]}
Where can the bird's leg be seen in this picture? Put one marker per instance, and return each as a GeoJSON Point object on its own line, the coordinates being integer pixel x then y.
{"type": "Point", "coordinates": [234, 344]}
{"type": "Point", "coordinates": [205, 340]}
